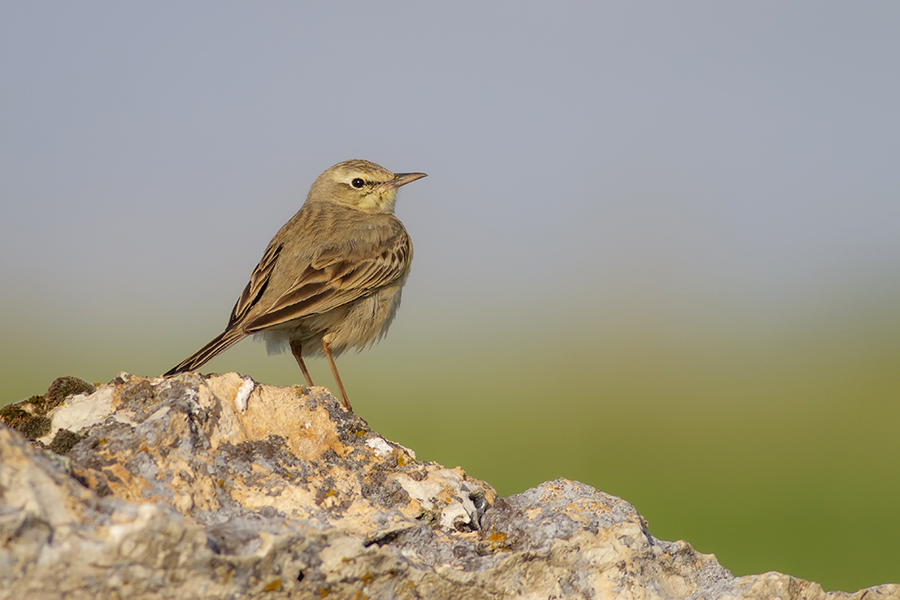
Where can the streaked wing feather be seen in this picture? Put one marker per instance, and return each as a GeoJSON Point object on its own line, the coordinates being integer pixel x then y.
{"type": "Point", "coordinates": [257, 284]}
{"type": "Point", "coordinates": [338, 280]}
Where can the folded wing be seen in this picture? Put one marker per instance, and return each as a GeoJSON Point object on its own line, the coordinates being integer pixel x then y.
{"type": "Point", "coordinates": [333, 278]}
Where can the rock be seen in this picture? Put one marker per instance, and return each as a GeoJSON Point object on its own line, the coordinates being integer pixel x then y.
{"type": "Point", "coordinates": [30, 416]}
{"type": "Point", "coordinates": [219, 487]}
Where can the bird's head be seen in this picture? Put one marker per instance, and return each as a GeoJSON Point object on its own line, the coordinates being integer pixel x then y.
{"type": "Point", "coordinates": [362, 185]}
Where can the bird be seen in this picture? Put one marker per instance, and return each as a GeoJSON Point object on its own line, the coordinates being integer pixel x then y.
{"type": "Point", "coordinates": [332, 276]}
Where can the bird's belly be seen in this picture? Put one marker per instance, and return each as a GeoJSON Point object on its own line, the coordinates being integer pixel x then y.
{"type": "Point", "coordinates": [357, 324]}
{"type": "Point", "coordinates": [366, 320]}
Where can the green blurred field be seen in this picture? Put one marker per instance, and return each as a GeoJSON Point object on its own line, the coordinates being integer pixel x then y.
{"type": "Point", "coordinates": [775, 448]}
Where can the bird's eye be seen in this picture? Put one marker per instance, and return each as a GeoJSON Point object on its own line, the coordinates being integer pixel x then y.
{"type": "Point", "coordinates": [357, 183]}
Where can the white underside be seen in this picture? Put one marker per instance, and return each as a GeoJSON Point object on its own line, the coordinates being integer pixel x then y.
{"type": "Point", "coordinates": [276, 341]}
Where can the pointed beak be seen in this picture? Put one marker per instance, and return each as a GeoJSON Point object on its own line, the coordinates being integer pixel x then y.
{"type": "Point", "coordinates": [404, 178]}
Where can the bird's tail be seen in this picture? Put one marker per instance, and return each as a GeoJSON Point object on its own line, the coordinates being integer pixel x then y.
{"type": "Point", "coordinates": [223, 342]}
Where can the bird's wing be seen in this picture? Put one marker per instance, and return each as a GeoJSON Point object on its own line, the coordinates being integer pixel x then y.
{"type": "Point", "coordinates": [336, 277]}
{"type": "Point", "coordinates": [257, 284]}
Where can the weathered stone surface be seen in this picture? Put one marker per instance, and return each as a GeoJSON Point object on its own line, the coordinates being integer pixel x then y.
{"type": "Point", "coordinates": [193, 487]}
{"type": "Point", "coordinates": [30, 416]}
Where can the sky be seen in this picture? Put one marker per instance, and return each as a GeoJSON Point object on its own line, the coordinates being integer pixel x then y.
{"type": "Point", "coordinates": [713, 154]}
{"type": "Point", "coordinates": [660, 167]}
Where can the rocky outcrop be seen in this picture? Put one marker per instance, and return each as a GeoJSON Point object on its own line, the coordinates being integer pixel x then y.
{"type": "Point", "coordinates": [219, 487]}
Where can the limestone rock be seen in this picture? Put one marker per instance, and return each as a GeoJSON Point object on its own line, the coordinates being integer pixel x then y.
{"type": "Point", "coordinates": [218, 487]}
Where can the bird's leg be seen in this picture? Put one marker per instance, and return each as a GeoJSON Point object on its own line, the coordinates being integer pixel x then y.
{"type": "Point", "coordinates": [295, 350]}
{"type": "Point", "coordinates": [336, 376]}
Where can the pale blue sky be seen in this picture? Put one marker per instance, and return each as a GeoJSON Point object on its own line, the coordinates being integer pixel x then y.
{"type": "Point", "coordinates": [717, 157]}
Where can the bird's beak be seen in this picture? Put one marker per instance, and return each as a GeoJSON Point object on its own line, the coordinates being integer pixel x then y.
{"type": "Point", "coordinates": [404, 178]}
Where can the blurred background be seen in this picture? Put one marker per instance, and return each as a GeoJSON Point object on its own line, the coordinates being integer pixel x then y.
{"type": "Point", "coordinates": [657, 252]}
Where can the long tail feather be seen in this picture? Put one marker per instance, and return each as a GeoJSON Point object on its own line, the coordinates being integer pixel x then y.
{"type": "Point", "coordinates": [226, 340]}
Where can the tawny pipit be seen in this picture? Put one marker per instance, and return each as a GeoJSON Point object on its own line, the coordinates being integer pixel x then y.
{"type": "Point", "coordinates": [330, 279]}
